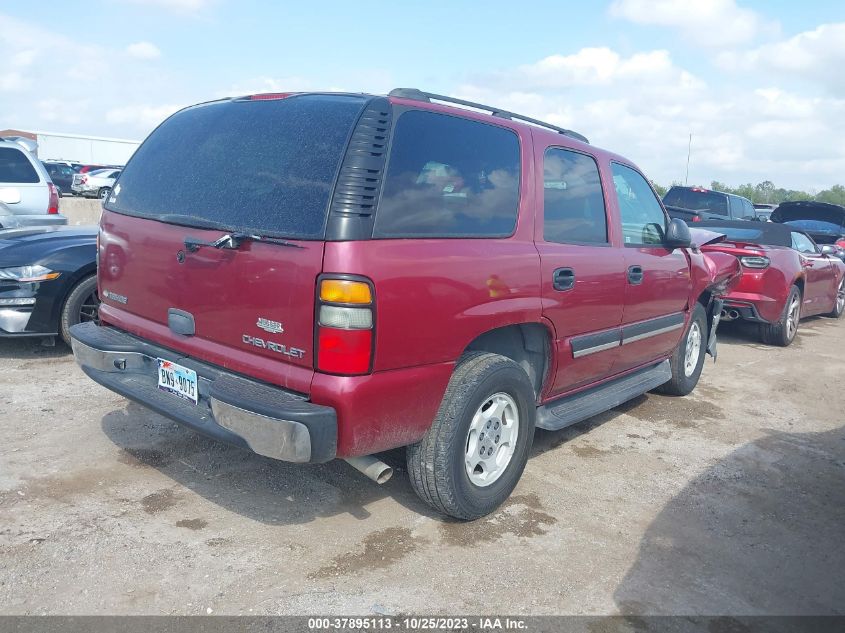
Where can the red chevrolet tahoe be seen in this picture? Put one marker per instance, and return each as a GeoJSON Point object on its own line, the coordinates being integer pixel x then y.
{"type": "Point", "coordinates": [315, 276]}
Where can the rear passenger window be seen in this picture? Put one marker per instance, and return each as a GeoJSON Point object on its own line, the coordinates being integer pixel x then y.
{"type": "Point", "coordinates": [573, 204]}
{"type": "Point", "coordinates": [15, 167]}
{"type": "Point", "coordinates": [643, 219]}
{"type": "Point", "coordinates": [449, 177]}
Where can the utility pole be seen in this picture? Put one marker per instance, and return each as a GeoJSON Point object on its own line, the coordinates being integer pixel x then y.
{"type": "Point", "coordinates": [689, 149]}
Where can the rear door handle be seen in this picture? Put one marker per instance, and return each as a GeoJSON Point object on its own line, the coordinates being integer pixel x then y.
{"type": "Point", "coordinates": [563, 279]}
{"type": "Point", "coordinates": [635, 275]}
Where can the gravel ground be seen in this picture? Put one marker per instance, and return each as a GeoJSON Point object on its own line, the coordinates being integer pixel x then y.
{"type": "Point", "coordinates": [728, 501]}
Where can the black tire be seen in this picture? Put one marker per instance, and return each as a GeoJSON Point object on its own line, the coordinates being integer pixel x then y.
{"type": "Point", "coordinates": [436, 464]}
{"type": "Point", "coordinates": [76, 310]}
{"type": "Point", "coordinates": [103, 193]}
{"type": "Point", "coordinates": [685, 377]}
{"type": "Point", "coordinates": [782, 332]}
{"type": "Point", "coordinates": [839, 304]}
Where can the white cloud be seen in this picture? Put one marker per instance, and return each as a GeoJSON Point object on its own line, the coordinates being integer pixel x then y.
{"type": "Point", "coordinates": [645, 106]}
{"type": "Point", "coordinates": [143, 50]}
{"type": "Point", "coordinates": [709, 23]}
{"type": "Point", "coordinates": [816, 55]}
{"type": "Point", "coordinates": [144, 116]}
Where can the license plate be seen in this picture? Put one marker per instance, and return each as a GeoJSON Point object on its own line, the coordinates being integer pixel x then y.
{"type": "Point", "coordinates": [178, 380]}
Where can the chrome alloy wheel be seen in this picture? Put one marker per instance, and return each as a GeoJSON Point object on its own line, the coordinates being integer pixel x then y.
{"type": "Point", "coordinates": [693, 349]}
{"type": "Point", "coordinates": [792, 317]}
{"type": "Point", "coordinates": [840, 297]}
{"type": "Point", "coordinates": [491, 440]}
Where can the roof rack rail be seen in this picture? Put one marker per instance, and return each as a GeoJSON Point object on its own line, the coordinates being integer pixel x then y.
{"type": "Point", "coordinates": [419, 95]}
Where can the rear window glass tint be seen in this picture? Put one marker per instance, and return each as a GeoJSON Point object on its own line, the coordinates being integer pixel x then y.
{"type": "Point", "coordinates": [263, 166]}
{"type": "Point", "coordinates": [697, 200]}
{"type": "Point", "coordinates": [15, 167]}
{"type": "Point", "coordinates": [449, 177]}
{"type": "Point", "coordinates": [573, 203]}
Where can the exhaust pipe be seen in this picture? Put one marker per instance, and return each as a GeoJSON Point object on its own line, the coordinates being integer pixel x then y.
{"type": "Point", "coordinates": [729, 315]}
{"type": "Point", "coordinates": [373, 468]}
{"type": "Point", "coordinates": [734, 314]}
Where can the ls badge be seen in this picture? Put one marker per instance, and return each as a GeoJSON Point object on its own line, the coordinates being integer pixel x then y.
{"type": "Point", "coordinates": [274, 327]}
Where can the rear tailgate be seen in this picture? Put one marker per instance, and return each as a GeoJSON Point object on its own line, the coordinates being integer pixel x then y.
{"type": "Point", "coordinates": [263, 169]}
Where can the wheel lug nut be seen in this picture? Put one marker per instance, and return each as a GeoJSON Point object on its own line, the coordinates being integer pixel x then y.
{"type": "Point", "coordinates": [481, 437]}
{"type": "Point", "coordinates": [497, 439]}
{"type": "Point", "coordinates": [489, 452]}
{"type": "Point", "coordinates": [496, 426]}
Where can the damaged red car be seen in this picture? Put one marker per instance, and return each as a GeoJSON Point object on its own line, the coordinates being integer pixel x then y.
{"type": "Point", "coordinates": [786, 277]}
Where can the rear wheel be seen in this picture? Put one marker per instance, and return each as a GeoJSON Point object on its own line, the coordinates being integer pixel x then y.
{"type": "Point", "coordinates": [839, 305]}
{"type": "Point", "coordinates": [104, 193]}
{"type": "Point", "coordinates": [82, 305]}
{"type": "Point", "coordinates": [783, 331]}
{"type": "Point", "coordinates": [473, 455]}
{"type": "Point", "coordinates": [688, 359]}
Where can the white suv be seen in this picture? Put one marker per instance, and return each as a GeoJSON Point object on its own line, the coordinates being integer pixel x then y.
{"type": "Point", "coordinates": [95, 184]}
{"type": "Point", "coordinates": [27, 195]}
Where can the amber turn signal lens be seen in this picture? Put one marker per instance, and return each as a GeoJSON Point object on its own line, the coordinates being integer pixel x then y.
{"type": "Point", "coordinates": [345, 291]}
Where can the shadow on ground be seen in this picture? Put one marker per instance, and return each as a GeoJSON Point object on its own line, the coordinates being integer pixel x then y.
{"type": "Point", "coordinates": [760, 532]}
{"type": "Point", "coordinates": [262, 489]}
{"type": "Point", "coordinates": [25, 348]}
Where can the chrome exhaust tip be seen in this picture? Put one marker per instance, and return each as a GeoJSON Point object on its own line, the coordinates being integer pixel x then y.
{"type": "Point", "coordinates": [373, 468]}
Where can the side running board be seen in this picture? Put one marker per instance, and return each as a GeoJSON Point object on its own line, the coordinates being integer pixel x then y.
{"type": "Point", "coordinates": [577, 408]}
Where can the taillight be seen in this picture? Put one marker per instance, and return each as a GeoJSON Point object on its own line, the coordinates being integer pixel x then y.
{"type": "Point", "coordinates": [53, 207]}
{"type": "Point", "coordinates": [84, 178]}
{"type": "Point", "coordinates": [754, 262]}
{"type": "Point", "coordinates": [840, 243]}
{"type": "Point", "coordinates": [345, 323]}
{"type": "Point", "coordinates": [270, 96]}
{"type": "Point", "coordinates": [696, 218]}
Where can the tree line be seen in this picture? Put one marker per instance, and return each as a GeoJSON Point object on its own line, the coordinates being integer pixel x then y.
{"type": "Point", "coordinates": [767, 192]}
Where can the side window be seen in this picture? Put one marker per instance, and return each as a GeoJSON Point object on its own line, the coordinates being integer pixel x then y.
{"type": "Point", "coordinates": [736, 207]}
{"type": "Point", "coordinates": [449, 177]}
{"type": "Point", "coordinates": [573, 204]}
{"type": "Point", "coordinates": [643, 219]}
{"type": "Point", "coordinates": [748, 210]}
{"type": "Point", "coordinates": [802, 243]}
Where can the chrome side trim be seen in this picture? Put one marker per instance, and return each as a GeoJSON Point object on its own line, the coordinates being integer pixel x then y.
{"type": "Point", "coordinates": [592, 350]}
{"type": "Point", "coordinates": [663, 330]}
{"type": "Point", "coordinates": [280, 439]}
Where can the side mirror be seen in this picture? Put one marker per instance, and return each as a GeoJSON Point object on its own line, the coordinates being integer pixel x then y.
{"type": "Point", "coordinates": [678, 235]}
{"type": "Point", "coordinates": [828, 249]}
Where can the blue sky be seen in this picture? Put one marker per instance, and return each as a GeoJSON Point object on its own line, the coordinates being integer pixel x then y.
{"type": "Point", "coordinates": [758, 84]}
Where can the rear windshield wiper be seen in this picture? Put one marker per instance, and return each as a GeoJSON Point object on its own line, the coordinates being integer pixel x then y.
{"type": "Point", "coordinates": [234, 240]}
{"type": "Point", "coordinates": [194, 221]}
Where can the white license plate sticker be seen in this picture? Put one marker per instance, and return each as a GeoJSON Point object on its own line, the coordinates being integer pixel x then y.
{"type": "Point", "coordinates": [178, 380]}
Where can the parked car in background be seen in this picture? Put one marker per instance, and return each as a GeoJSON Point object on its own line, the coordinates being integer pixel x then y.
{"type": "Point", "coordinates": [694, 204]}
{"type": "Point", "coordinates": [26, 191]}
{"type": "Point", "coordinates": [47, 280]}
{"type": "Point", "coordinates": [62, 176]}
{"type": "Point", "coordinates": [332, 297]}
{"type": "Point", "coordinates": [785, 277]}
{"type": "Point", "coordinates": [764, 210]}
{"type": "Point", "coordinates": [824, 222]}
{"type": "Point", "coordinates": [95, 184]}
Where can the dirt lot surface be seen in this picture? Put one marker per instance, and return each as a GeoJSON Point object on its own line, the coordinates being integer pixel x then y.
{"type": "Point", "coordinates": [728, 501]}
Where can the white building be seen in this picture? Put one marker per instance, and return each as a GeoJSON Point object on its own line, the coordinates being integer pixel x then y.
{"type": "Point", "coordinates": [88, 150]}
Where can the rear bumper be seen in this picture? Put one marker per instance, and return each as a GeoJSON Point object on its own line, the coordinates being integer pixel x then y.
{"type": "Point", "coordinates": [746, 309]}
{"type": "Point", "coordinates": [266, 419]}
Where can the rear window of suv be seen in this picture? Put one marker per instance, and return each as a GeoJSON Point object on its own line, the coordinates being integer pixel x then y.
{"type": "Point", "coordinates": [449, 177]}
{"type": "Point", "coordinates": [697, 200]}
{"type": "Point", "coordinates": [15, 167]}
{"type": "Point", "coordinates": [263, 166]}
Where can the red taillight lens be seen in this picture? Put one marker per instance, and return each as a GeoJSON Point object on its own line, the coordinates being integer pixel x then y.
{"type": "Point", "coordinates": [840, 243]}
{"type": "Point", "coordinates": [696, 218]}
{"type": "Point", "coordinates": [344, 351]}
{"type": "Point", "coordinates": [84, 179]}
{"type": "Point", "coordinates": [345, 321]}
{"type": "Point", "coordinates": [54, 199]}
